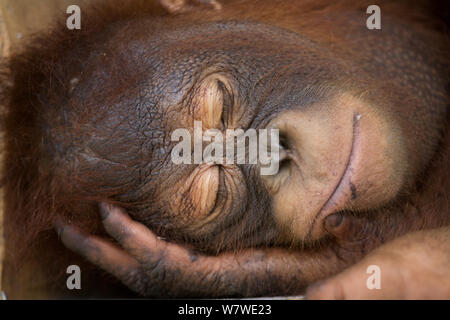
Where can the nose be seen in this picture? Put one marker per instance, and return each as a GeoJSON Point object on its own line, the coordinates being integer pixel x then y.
{"type": "Point", "coordinates": [315, 149]}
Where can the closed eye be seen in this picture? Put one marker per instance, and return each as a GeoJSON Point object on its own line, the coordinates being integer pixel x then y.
{"type": "Point", "coordinates": [227, 104]}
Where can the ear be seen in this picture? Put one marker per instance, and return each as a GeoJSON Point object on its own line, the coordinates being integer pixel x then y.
{"type": "Point", "coordinates": [180, 6]}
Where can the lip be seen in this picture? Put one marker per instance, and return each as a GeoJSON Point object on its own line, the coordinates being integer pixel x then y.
{"type": "Point", "coordinates": [345, 190]}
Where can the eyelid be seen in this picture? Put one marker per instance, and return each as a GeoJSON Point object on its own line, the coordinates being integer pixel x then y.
{"type": "Point", "coordinates": [227, 103]}
{"type": "Point", "coordinates": [204, 188]}
{"type": "Point", "coordinates": [213, 102]}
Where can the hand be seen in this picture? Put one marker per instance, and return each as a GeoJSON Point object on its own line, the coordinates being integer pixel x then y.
{"type": "Point", "coordinates": [415, 266]}
{"type": "Point", "coordinates": [152, 267]}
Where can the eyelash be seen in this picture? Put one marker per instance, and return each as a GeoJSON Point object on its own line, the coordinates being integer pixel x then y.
{"type": "Point", "coordinates": [227, 103]}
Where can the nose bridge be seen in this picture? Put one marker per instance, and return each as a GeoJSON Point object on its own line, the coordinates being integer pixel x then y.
{"type": "Point", "coordinates": [318, 141]}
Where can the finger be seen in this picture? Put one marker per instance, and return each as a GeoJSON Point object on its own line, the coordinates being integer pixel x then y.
{"type": "Point", "coordinates": [133, 236]}
{"type": "Point", "coordinates": [141, 242]}
{"type": "Point", "coordinates": [99, 252]}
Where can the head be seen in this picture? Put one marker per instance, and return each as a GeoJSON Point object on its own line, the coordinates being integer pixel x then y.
{"type": "Point", "coordinates": [100, 120]}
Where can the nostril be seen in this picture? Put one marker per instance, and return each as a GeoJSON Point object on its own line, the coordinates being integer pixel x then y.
{"type": "Point", "coordinates": [338, 224]}
{"type": "Point", "coordinates": [333, 221]}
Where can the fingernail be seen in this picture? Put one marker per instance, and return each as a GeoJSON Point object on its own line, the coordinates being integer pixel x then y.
{"type": "Point", "coordinates": [72, 237]}
{"type": "Point", "coordinates": [104, 209]}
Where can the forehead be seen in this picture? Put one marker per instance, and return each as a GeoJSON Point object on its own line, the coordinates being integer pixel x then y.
{"type": "Point", "coordinates": [159, 65]}
{"type": "Point", "coordinates": [145, 67]}
{"type": "Point", "coordinates": [147, 59]}
{"type": "Point", "coordinates": [176, 53]}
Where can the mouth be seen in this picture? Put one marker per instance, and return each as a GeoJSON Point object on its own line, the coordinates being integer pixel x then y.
{"type": "Point", "coordinates": [345, 190]}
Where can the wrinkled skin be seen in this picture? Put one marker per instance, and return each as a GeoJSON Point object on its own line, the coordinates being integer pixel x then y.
{"type": "Point", "coordinates": [364, 126]}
